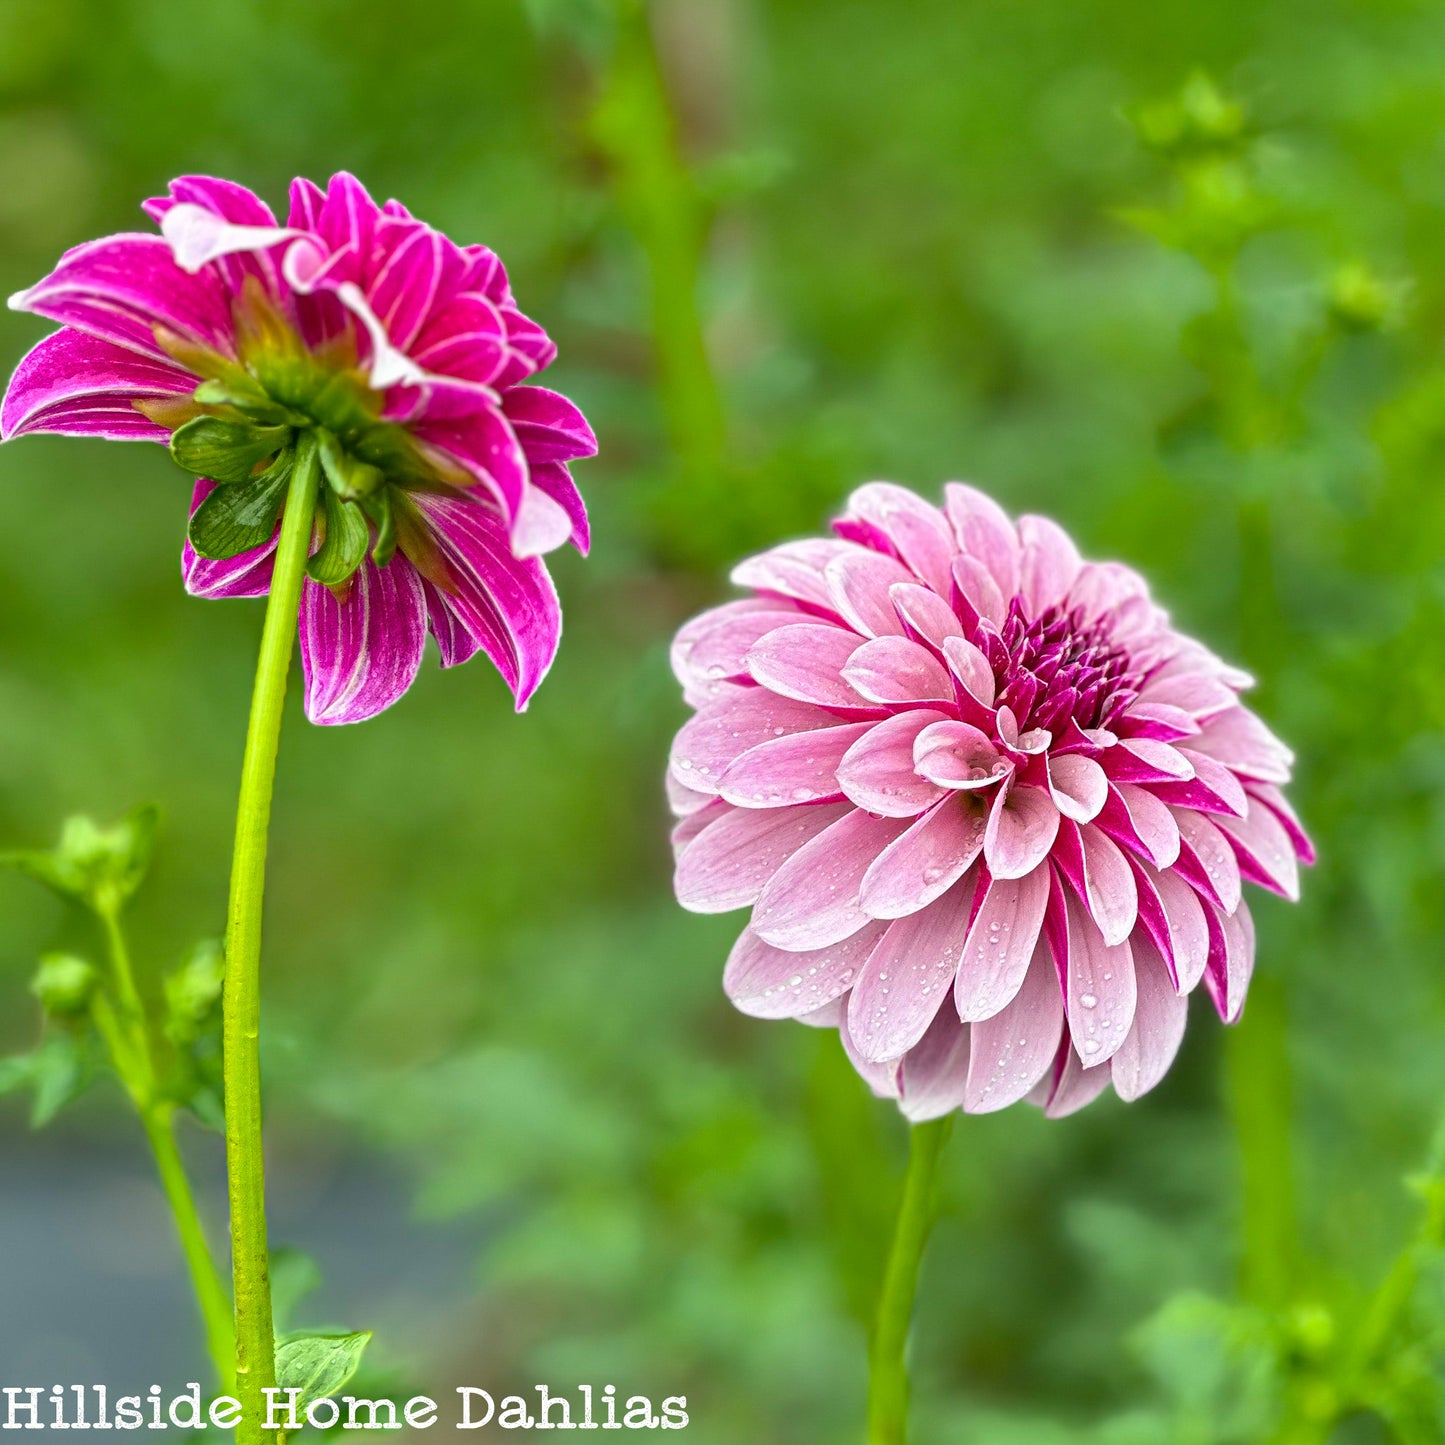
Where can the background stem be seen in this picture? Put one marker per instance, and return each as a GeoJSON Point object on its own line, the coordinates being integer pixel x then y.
{"type": "Point", "coordinates": [245, 1165]}
{"type": "Point", "coordinates": [888, 1371]}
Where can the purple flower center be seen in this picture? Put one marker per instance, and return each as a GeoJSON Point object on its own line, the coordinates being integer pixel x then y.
{"type": "Point", "coordinates": [1059, 668]}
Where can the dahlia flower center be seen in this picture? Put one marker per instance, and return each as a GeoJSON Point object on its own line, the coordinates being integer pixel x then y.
{"type": "Point", "coordinates": [1060, 668]}
{"type": "Point", "coordinates": [242, 430]}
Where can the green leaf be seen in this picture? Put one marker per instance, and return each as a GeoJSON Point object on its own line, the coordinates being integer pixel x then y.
{"type": "Point", "coordinates": [59, 1071]}
{"type": "Point", "coordinates": [225, 451]}
{"type": "Point", "coordinates": [234, 519]}
{"type": "Point", "coordinates": [344, 548]}
{"type": "Point", "coordinates": [16, 1072]}
{"type": "Point", "coordinates": [348, 476]}
{"type": "Point", "coordinates": [101, 867]}
{"type": "Point", "coordinates": [378, 508]}
{"type": "Point", "coordinates": [319, 1365]}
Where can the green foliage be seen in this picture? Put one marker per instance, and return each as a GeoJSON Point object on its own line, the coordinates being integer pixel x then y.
{"type": "Point", "coordinates": [318, 1365]}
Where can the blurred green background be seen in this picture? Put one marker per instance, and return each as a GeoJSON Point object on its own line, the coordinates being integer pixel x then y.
{"type": "Point", "coordinates": [784, 246]}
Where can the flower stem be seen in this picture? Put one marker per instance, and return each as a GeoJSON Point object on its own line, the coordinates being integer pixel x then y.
{"type": "Point", "coordinates": [130, 1053]}
{"type": "Point", "coordinates": [245, 1166]}
{"type": "Point", "coordinates": [888, 1371]}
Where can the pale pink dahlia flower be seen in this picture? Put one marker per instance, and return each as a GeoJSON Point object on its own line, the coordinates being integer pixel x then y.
{"type": "Point", "coordinates": [364, 333]}
{"type": "Point", "coordinates": [990, 810]}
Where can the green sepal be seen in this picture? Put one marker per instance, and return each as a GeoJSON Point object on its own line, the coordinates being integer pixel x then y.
{"type": "Point", "coordinates": [225, 451]}
{"type": "Point", "coordinates": [100, 867]}
{"type": "Point", "coordinates": [64, 983]}
{"type": "Point", "coordinates": [234, 519]}
{"type": "Point", "coordinates": [250, 401]}
{"type": "Point", "coordinates": [343, 548]}
{"type": "Point", "coordinates": [193, 992]}
{"type": "Point", "coordinates": [379, 509]}
{"type": "Point", "coordinates": [318, 1365]}
{"type": "Point", "coordinates": [350, 478]}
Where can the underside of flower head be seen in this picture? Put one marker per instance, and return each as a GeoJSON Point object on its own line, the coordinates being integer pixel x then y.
{"type": "Point", "coordinates": [395, 352]}
{"type": "Point", "coordinates": [990, 811]}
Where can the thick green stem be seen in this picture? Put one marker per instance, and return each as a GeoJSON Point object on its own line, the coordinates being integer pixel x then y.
{"type": "Point", "coordinates": [245, 1166]}
{"type": "Point", "coordinates": [887, 1365]}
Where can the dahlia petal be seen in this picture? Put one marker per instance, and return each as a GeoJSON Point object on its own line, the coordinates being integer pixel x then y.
{"type": "Point", "coordinates": [933, 1076]}
{"type": "Point", "coordinates": [1206, 860]}
{"type": "Point", "coordinates": [767, 983]}
{"type": "Point", "coordinates": [1015, 1048]}
{"type": "Point", "coordinates": [800, 768]}
{"type": "Point", "coordinates": [1266, 855]}
{"type": "Point", "coordinates": [805, 661]}
{"type": "Point", "coordinates": [1022, 826]}
{"type": "Point", "coordinates": [730, 862]}
{"type": "Point", "coordinates": [918, 533]}
{"type": "Point", "coordinates": [421, 271]}
{"type": "Point", "coordinates": [76, 383]}
{"type": "Point", "coordinates": [971, 668]}
{"type": "Point", "coordinates": [540, 526]}
{"type": "Point", "coordinates": [1231, 963]}
{"type": "Point", "coordinates": [858, 583]}
{"type": "Point", "coordinates": [925, 614]}
{"type": "Point", "coordinates": [507, 603]}
{"type": "Point", "coordinates": [720, 652]}
{"type": "Point", "coordinates": [548, 426]}
{"type": "Point", "coordinates": [360, 655]}
{"type": "Point", "coordinates": [907, 977]}
{"type": "Point", "coordinates": [897, 670]}
{"type": "Point", "coordinates": [1212, 789]}
{"type": "Point", "coordinates": [556, 481]}
{"type": "Point", "coordinates": [1242, 743]}
{"type": "Point", "coordinates": [120, 288]}
{"type": "Point", "coordinates": [229, 200]}
{"type": "Point", "coordinates": [466, 338]}
{"type": "Point", "coordinates": [1078, 786]}
{"type": "Point", "coordinates": [1143, 760]}
{"type": "Point", "coordinates": [711, 740]}
{"type": "Point", "coordinates": [197, 236]}
{"type": "Point", "coordinates": [978, 589]}
{"type": "Point", "coordinates": [1074, 1085]}
{"type": "Point", "coordinates": [1000, 944]}
{"type": "Point", "coordinates": [1134, 817]}
{"type": "Point", "coordinates": [1048, 562]}
{"type": "Point", "coordinates": [1199, 695]}
{"type": "Point", "coordinates": [347, 217]}
{"type": "Point", "coordinates": [1159, 1018]}
{"type": "Point", "coordinates": [793, 570]}
{"type": "Point", "coordinates": [985, 534]}
{"type": "Point", "coordinates": [1100, 990]}
{"type": "Point", "coordinates": [248, 574]}
{"type": "Point", "coordinates": [926, 861]}
{"type": "Point", "coordinates": [684, 802]}
{"type": "Point", "coordinates": [812, 900]}
{"type": "Point", "coordinates": [1275, 801]}
{"type": "Point", "coordinates": [1159, 721]}
{"type": "Point", "coordinates": [885, 1080]}
{"type": "Point", "coordinates": [1109, 888]}
{"type": "Point", "coordinates": [877, 772]}
{"type": "Point", "coordinates": [957, 755]}
{"type": "Point", "coordinates": [1174, 918]}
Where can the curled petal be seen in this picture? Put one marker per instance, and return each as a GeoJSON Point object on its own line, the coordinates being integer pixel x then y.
{"type": "Point", "coordinates": [877, 772]}
{"type": "Point", "coordinates": [1022, 826]}
{"type": "Point", "coordinates": [361, 654]}
{"type": "Point", "coordinates": [1078, 786]}
{"type": "Point", "coordinates": [957, 755]}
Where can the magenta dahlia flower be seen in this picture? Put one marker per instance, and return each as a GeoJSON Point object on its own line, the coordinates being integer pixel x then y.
{"type": "Point", "coordinates": [990, 811]}
{"type": "Point", "coordinates": [397, 354]}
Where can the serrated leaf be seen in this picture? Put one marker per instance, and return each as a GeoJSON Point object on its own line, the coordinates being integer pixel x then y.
{"type": "Point", "coordinates": [225, 451]}
{"type": "Point", "coordinates": [319, 1365]}
{"type": "Point", "coordinates": [60, 1074]}
{"type": "Point", "coordinates": [344, 548]}
{"type": "Point", "coordinates": [236, 518]}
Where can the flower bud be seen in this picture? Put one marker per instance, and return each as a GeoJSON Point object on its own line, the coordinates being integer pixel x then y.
{"type": "Point", "coordinates": [63, 984]}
